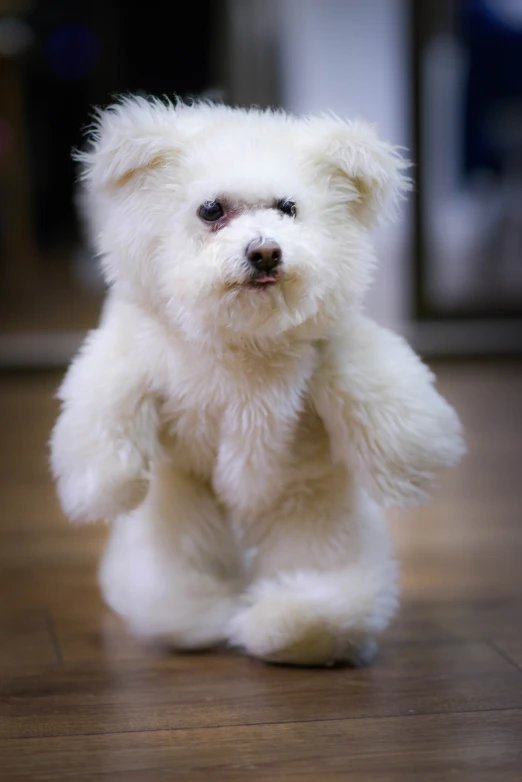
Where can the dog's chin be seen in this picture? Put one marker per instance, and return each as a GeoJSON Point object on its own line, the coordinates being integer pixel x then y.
{"type": "Point", "coordinates": [250, 309]}
{"type": "Point", "coordinates": [246, 305]}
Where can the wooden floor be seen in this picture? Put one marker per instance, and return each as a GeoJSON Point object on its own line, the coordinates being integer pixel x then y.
{"type": "Point", "coordinates": [443, 701]}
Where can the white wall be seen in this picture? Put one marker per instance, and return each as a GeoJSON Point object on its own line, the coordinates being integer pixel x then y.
{"type": "Point", "coordinates": [352, 57]}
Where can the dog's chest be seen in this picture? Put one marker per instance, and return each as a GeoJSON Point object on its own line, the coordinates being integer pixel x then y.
{"type": "Point", "coordinates": [234, 423]}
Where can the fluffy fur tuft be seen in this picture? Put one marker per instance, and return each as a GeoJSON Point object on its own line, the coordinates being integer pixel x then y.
{"type": "Point", "coordinates": [242, 429]}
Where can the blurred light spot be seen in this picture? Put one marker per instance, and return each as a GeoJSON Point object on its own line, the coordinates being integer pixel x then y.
{"type": "Point", "coordinates": [15, 37]}
{"type": "Point", "coordinates": [509, 12]}
{"type": "Point", "coordinates": [72, 51]}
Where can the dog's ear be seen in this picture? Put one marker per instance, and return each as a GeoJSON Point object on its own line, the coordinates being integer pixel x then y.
{"type": "Point", "coordinates": [360, 168]}
{"type": "Point", "coordinates": [129, 138]}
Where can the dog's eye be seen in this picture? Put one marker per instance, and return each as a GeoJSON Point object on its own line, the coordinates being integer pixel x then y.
{"type": "Point", "coordinates": [211, 211]}
{"type": "Point", "coordinates": [287, 207]}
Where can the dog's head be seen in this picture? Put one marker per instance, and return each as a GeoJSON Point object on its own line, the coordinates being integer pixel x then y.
{"type": "Point", "coordinates": [235, 223]}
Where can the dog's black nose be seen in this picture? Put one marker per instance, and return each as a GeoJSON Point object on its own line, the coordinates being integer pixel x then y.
{"type": "Point", "coordinates": [265, 255]}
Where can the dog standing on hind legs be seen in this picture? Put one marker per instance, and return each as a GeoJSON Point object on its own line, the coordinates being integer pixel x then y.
{"type": "Point", "coordinates": [236, 418]}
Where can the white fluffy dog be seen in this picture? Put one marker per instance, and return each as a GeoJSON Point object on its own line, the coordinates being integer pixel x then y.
{"type": "Point", "coordinates": [235, 416]}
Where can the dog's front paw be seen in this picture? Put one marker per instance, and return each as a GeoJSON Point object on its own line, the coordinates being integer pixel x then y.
{"type": "Point", "coordinates": [409, 448]}
{"type": "Point", "coordinates": [101, 491]}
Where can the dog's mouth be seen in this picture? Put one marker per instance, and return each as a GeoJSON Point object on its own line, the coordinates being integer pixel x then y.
{"type": "Point", "coordinates": [256, 281]}
{"type": "Point", "coordinates": [262, 281]}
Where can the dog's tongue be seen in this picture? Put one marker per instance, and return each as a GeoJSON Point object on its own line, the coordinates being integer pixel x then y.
{"type": "Point", "coordinates": [265, 279]}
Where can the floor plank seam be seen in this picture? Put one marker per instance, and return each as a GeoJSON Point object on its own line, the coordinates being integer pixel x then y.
{"type": "Point", "coordinates": [54, 638]}
{"type": "Point", "coordinates": [249, 725]}
{"type": "Point", "coordinates": [505, 656]}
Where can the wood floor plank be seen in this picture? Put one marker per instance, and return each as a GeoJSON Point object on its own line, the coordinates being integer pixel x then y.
{"type": "Point", "coordinates": [27, 639]}
{"type": "Point", "coordinates": [192, 691]}
{"type": "Point", "coordinates": [480, 747]}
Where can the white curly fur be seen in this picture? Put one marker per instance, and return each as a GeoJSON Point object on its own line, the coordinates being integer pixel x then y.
{"type": "Point", "coordinates": [243, 441]}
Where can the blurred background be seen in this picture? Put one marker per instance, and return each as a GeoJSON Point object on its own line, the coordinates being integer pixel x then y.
{"type": "Point", "coordinates": [443, 78]}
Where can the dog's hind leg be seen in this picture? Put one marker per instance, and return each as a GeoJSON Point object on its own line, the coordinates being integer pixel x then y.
{"type": "Point", "coordinates": [170, 568]}
{"type": "Point", "coordinates": [324, 585]}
